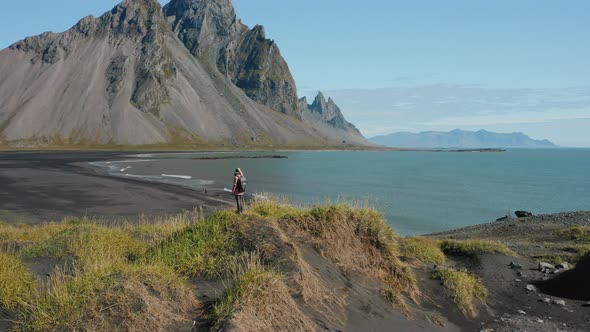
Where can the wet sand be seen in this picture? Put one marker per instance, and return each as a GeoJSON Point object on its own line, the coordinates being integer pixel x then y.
{"type": "Point", "coordinates": [50, 186]}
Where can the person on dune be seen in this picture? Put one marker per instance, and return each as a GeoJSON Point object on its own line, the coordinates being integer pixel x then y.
{"type": "Point", "coordinates": [239, 189]}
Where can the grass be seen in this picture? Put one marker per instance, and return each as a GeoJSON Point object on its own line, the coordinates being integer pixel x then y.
{"type": "Point", "coordinates": [91, 247]}
{"type": "Point", "coordinates": [16, 282]}
{"type": "Point", "coordinates": [16, 237]}
{"type": "Point", "coordinates": [257, 299]}
{"type": "Point", "coordinates": [466, 288]}
{"type": "Point", "coordinates": [200, 249]}
{"type": "Point", "coordinates": [474, 247]}
{"type": "Point", "coordinates": [423, 249]}
{"type": "Point", "coordinates": [358, 239]}
{"type": "Point", "coordinates": [274, 208]}
{"type": "Point", "coordinates": [132, 297]}
{"type": "Point", "coordinates": [577, 233]}
{"type": "Point", "coordinates": [580, 250]}
{"type": "Point", "coordinates": [134, 276]}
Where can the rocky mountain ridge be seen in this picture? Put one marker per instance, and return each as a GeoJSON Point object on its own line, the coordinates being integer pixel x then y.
{"type": "Point", "coordinates": [461, 139]}
{"type": "Point", "coordinates": [327, 115]}
{"type": "Point", "coordinates": [143, 74]}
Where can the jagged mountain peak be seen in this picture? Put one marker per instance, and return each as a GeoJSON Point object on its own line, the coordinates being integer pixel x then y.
{"type": "Point", "coordinates": [322, 110]}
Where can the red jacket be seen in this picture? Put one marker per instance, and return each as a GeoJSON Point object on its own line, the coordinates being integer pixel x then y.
{"type": "Point", "coordinates": [235, 187]}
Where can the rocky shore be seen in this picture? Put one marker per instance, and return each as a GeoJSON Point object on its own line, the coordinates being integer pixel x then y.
{"type": "Point", "coordinates": [545, 287]}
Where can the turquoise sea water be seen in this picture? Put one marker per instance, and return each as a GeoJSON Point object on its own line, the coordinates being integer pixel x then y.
{"type": "Point", "coordinates": [418, 192]}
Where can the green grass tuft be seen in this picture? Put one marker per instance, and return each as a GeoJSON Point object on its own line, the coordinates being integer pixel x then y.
{"type": "Point", "coordinates": [423, 249]}
{"type": "Point", "coordinates": [273, 208]}
{"type": "Point", "coordinates": [466, 288]}
{"type": "Point", "coordinates": [202, 248]}
{"type": "Point", "coordinates": [15, 237]}
{"type": "Point", "coordinates": [474, 247]}
{"type": "Point", "coordinates": [577, 233]}
{"type": "Point", "coordinates": [17, 285]}
{"type": "Point", "coordinates": [90, 246]}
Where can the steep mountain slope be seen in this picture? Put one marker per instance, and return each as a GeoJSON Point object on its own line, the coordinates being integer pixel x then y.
{"type": "Point", "coordinates": [460, 139]}
{"type": "Point", "coordinates": [211, 31]}
{"type": "Point", "coordinates": [143, 75]}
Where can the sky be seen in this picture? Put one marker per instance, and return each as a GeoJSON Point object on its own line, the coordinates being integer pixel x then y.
{"type": "Point", "coordinates": [417, 65]}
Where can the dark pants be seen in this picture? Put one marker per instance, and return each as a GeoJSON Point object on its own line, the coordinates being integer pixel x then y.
{"type": "Point", "coordinates": [240, 203]}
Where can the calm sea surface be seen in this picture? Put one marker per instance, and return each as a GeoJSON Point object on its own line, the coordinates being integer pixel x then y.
{"type": "Point", "coordinates": [419, 192]}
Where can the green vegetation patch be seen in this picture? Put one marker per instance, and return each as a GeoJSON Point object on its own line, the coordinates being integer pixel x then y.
{"type": "Point", "coordinates": [16, 283]}
{"type": "Point", "coordinates": [90, 246]}
{"type": "Point", "coordinates": [577, 233]}
{"type": "Point", "coordinates": [423, 249]}
{"type": "Point", "coordinates": [466, 288]}
{"type": "Point", "coordinates": [16, 237]}
{"type": "Point", "coordinates": [202, 248]}
{"type": "Point", "coordinates": [474, 247]}
{"type": "Point", "coordinates": [132, 297]}
{"type": "Point", "coordinates": [273, 208]}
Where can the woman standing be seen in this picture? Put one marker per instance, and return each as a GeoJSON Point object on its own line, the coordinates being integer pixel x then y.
{"type": "Point", "coordinates": [239, 189]}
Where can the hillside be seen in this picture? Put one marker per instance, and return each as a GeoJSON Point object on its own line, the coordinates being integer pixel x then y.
{"type": "Point", "coordinates": [187, 74]}
{"type": "Point", "coordinates": [460, 139]}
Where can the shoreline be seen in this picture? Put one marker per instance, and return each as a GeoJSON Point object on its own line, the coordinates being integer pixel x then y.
{"type": "Point", "coordinates": [51, 187]}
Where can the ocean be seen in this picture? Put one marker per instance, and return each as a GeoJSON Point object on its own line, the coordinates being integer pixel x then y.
{"type": "Point", "coordinates": [418, 192]}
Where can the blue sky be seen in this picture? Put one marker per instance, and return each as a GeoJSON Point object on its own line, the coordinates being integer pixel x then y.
{"type": "Point", "coordinates": [415, 65]}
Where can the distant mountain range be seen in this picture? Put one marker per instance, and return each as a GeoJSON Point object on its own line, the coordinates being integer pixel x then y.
{"type": "Point", "coordinates": [460, 139]}
{"type": "Point", "coordinates": [188, 73]}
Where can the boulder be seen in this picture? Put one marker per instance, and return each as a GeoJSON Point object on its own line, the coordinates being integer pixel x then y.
{"type": "Point", "coordinates": [543, 266]}
{"type": "Point", "coordinates": [523, 214]}
{"type": "Point", "coordinates": [504, 218]}
{"type": "Point", "coordinates": [563, 266]}
{"type": "Point", "coordinates": [515, 265]}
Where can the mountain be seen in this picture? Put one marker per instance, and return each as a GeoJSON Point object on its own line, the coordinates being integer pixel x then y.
{"type": "Point", "coordinates": [328, 118]}
{"type": "Point", "coordinates": [141, 74]}
{"type": "Point", "coordinates": [460, 139]}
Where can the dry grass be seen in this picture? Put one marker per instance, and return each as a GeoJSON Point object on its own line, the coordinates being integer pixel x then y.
{"type": "Point", "coordinates": [17, 284]}
{"type": "Point", "coordinates": [577, 233]}
{"type": "Point", "coordinates": [358, 240]}
{"type": "Point", "coordinates": [156, 231]}
{"type": "Point", "coordinates": [474, 247]}
{"type": "Point", "coordinates": [274, 207]}
{"type": "Point", "coordinates": [90, 247]}
{"type": "Point", "coordinates": [423, 249]}
{"type": "Point", "coordinates": [15, 237]}
{"type": "Point", "coordinates": [258, 300]}
{"type": "Point", "coordinates": [466, 288]}
{"type": "Point", "coordinates": [129, 298]}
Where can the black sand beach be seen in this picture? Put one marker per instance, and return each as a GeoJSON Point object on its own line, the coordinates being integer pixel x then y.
{"type": "Point", "coordinates": [37, 187]}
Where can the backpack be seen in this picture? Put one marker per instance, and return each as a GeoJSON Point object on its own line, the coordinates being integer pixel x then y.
{"type": "Point", "coordinates": [242, 183]}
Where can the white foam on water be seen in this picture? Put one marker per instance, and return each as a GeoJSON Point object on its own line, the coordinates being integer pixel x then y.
{"type": "Point", "coordinates": [135, 161]}
{"type": "Point", "coordinates": [186, 177]}
{"type": "Point", "coordinates": [126, 168]}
